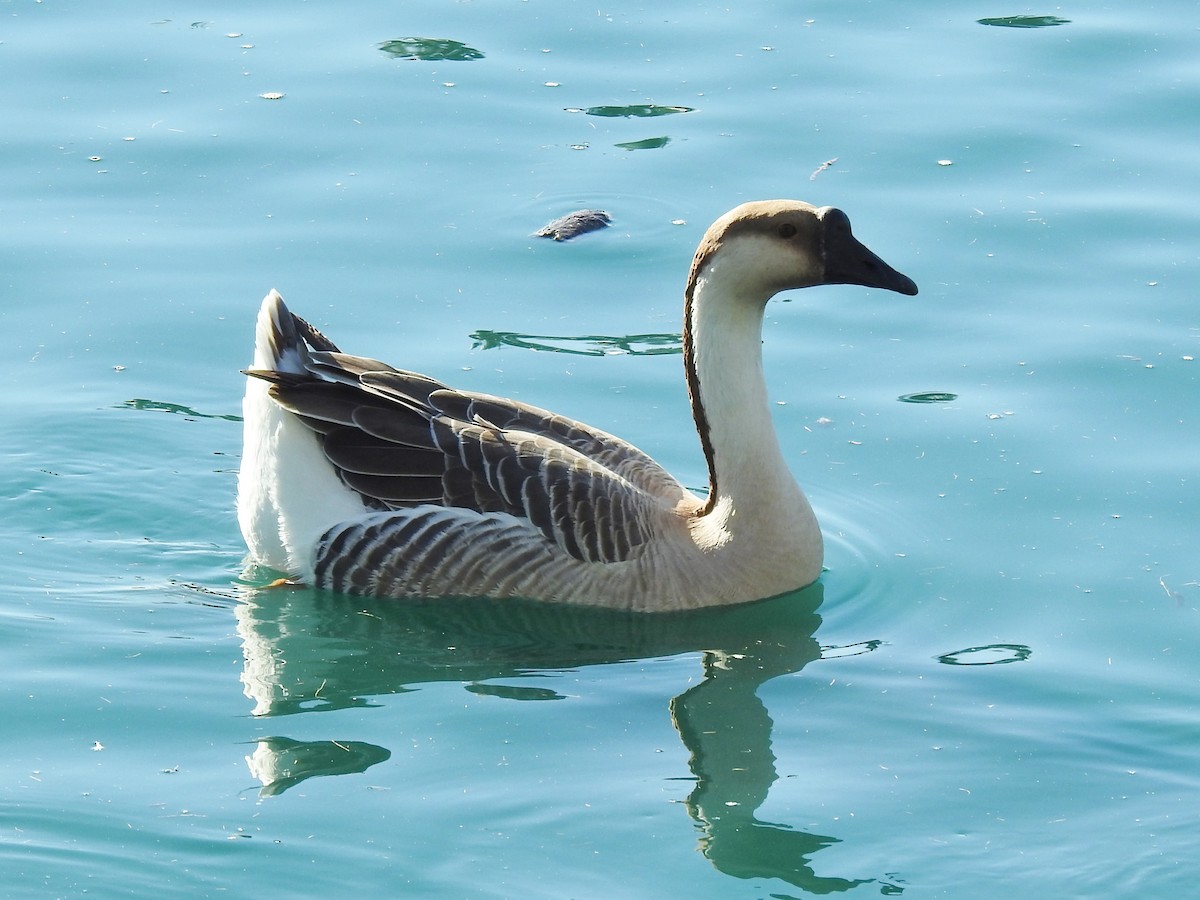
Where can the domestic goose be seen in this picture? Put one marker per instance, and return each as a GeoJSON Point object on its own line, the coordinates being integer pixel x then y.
{"type": "Point", "coordinates": [363, 479]}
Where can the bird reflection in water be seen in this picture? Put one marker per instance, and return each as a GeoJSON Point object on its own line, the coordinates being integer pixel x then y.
{"type": "Point", "coordinates": [305, 650]}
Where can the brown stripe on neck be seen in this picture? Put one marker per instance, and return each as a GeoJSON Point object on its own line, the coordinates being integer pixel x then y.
{"type": "Point", "coordinates": [692, 376]}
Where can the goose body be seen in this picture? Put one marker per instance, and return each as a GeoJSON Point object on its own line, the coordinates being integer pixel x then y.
{"type": "Point", "coordinates": [364, 479]}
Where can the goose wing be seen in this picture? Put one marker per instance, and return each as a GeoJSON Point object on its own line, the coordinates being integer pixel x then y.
{"type": "Point", "coordinates": [402, 440]}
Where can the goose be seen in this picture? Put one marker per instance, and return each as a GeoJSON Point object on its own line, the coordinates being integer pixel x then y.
{"type": "Point", "coordinates": [363, 479]}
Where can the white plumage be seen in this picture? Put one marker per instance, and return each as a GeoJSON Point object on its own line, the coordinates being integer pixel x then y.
{"type": "Point", "coordinates": [360, 478]}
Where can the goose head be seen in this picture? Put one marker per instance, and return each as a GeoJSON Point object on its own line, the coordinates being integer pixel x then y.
{"type": "Point", "coordinates": [761, 248]}
{"type": "Point", "coordinates": [748, 256]}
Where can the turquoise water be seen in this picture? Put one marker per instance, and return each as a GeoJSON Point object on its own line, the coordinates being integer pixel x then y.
{"type": "Point", "coordinates": [993, 690]}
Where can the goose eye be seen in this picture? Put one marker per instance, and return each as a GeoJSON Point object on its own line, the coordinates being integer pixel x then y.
{"type": "Point", "coordinates": [787, 231]}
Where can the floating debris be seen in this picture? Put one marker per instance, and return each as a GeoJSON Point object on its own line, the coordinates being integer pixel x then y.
{"type": "Point", "coordinates": [574, 224]}
{"type": "Point", "coordinates": [272, 95]}
{"type": "Point", "coordinates": [821, 168]}
{"type": "Point", "coordinates": [1024, 21]}
{"type": "Point", "coordinates": [430, 49]}
{"type": "Point", "coordinates": [635, 111]}
{"type": "Point", "coordinates": [945, 162]}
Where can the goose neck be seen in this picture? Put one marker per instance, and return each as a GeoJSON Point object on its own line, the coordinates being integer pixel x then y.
{"type": "Point", "coordinates": [723, 359]}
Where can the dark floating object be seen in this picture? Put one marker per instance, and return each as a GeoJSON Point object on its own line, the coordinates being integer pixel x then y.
{"type": "Point", "coordinates": [574, 224]}
{"type": "Point", "coordinates": [430, 49]}
{"type": "Point", "coordinates": [987, 655]}
{"type": "Point", "coordinates": [1024, 21]}
{"type": "Point", "coordinates": [653, 143]}
{"type": "Point", "coordinates": [928, 397]}
{"type": "Point", "coordinates": [582, 345]}
{"type": "Point", "coordinates": [636, 111]}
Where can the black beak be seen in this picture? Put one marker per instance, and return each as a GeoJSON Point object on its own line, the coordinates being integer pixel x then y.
{"type": "Point", "coordinates": [847, 261]}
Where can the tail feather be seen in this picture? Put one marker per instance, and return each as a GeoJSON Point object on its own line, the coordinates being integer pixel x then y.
{"type": "Point", "coordinates": [278, 346]}
{"type": "Point", "coordinates": [288, 492]}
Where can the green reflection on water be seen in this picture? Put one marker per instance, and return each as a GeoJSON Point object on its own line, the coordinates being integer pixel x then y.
{"type": "Point", "coordinates": [928, 397]}
{"type": "Point", "coordinates": [174, 408]}
{"type": "Point", "coordinates": [1023, 21]}
{"type": "Point", "coordinates": [987, 655]}
{"type": "Point", "coordinates": [581, 345]}
{"type": "Point", "coordinates": [430, 49]}
{"type": "Point", "coordinates": [307, 651]}
{"type": "Point", "coordinates": [653, 143]}
{"type": "Point", "coordinates": [281, 763]}
{"type": "Point", "coordinates": [636, 110]}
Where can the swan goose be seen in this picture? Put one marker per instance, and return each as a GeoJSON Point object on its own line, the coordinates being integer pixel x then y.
{"type": "Point", "coordinates": [363, 479]}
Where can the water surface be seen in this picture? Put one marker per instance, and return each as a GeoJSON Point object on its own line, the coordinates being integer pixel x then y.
{"type": "Point", "coordinates": [991, 691]}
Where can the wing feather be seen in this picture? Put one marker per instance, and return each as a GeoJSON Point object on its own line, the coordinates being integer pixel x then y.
{"type": "Point", "coordinates": [403, 440]}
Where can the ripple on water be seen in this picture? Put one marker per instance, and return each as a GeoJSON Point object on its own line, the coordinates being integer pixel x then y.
{"type": "Point", "coordinates": [867, 547]}
{"type": "Point", "coordinates": [928, 397]}
{"type": "Point", "coordinates": [987, 655]}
